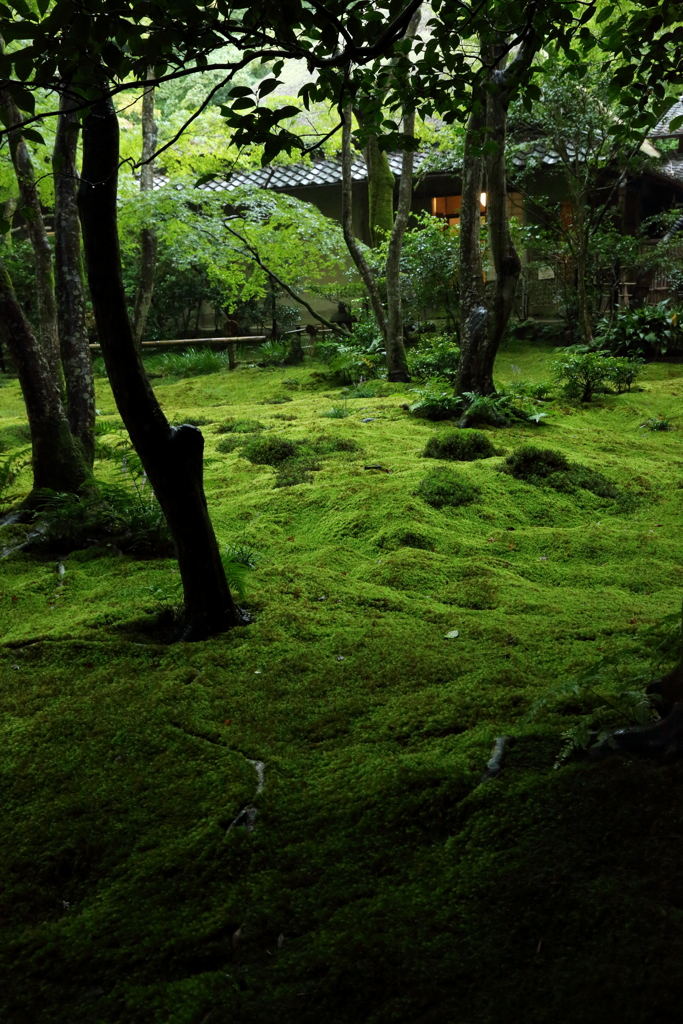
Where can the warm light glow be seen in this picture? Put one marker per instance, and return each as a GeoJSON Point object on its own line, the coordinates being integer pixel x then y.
{"type": "Point", "coordinates": [482, 199]}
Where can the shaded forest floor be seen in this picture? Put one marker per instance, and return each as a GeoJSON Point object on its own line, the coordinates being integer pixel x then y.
{"type": "Point", "coordinates": [382, 881]}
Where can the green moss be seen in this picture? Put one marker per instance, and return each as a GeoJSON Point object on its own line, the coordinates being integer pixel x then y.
{"type": "Point", "coordinates": [459, 446]}
{"type": "Point", "coordinates": [382, 882]}
{"type": "Point", "coordinates": [444, 487]}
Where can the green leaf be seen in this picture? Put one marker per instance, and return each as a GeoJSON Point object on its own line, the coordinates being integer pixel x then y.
{"type": "Point", "coordinates": [676, 123]}
{"type": "Point", "coordinates": [204, 179]}
{"type": "Point", "coordinates": [240, 90]}
{"type": "Point", "coordinates": [267, 86]}
{"type": "Point", "coordinates": [5, 227]}
{"type": "Point", "coordinates": [33, 136]}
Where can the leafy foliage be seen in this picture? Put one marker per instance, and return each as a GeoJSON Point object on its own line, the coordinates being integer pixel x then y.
{"type": "Point", "coordinates": [645, 330]}
{"type": "Point", "coordinates": [583, 373]}
{"type": "Point", "coordinates": [435, 400]}
{"type": "Point", "coordinates": [10, 468]}
{"type": "Point", "coordinates": [435, 357]}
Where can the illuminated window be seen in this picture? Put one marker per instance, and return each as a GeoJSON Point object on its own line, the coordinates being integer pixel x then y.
{"type": "Point", "coordinates": [449, 207]}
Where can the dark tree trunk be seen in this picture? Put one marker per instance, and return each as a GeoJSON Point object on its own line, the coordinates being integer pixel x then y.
{"type": "Point", "coordinates": [58, 461]}
{"type": "Point", "coordinates": [354, 248]}
{"type": "Point", "coordinates": [397, 364]}
{"type": "Point", "coordinates": [475, 371]}
{"type": "Point", "coordinates": [148, 236]}
{"type": "Point", "coordinates": [70, 289]}
{"type": "Point", "coordinates": [506, 261]}
{"type": "Point", "coordinates": [40, 243]}
{"type": "Point", "coordinates": [172, 456]}
{"type": "Point", "coordinates": [485, 312]}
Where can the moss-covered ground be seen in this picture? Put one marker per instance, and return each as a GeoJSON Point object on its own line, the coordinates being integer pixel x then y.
{"type": "Point", "coordinates": [382, 881]}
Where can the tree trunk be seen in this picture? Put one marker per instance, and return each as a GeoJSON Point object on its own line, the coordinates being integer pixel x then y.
{"type": "Point", "coordinates": [380, 193]}
{"type": "Point", "coordinates": [148, 236]}
{"type": "Point", "coordinates": [347, 225]}
{"type": "Point", "coordinates": [70, 289]}
{"type": "Point", "coordinates": [30, 201]}
{"type": "Point", "coordinates": [171, 456]}
{"type": "Point", "coordinates": [485, 317]}
{"type": "Point", "coordinates": [506, 261]}
{"type": "Point", "coordinates": [397, 364]}
{"type": "Point", "coordinates": [475, 371]}
{"type": "Point", "coordinates": [58, 461]}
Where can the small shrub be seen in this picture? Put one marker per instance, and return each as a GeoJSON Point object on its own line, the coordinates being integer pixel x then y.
{"type": "Point", "coordinates": [361, 390]}
{"type": "Point", "coordinates": [648, 331]}
{"type": "Point", "coordinates": [459, 446]}
{"type": "Point", "coordinates": [444, 487]}
{"type": "Point", "coordinates": [438, 357]}
{"type": "Point", "coordinates": [623, 373]}
{"type": "Point", "coordinates": [243, 554]}
{"type": "Point", "coordinates": [270, 451]}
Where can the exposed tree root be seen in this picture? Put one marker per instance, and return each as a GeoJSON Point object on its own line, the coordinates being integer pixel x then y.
{"type": "Point", "coordinates": [661, 738]}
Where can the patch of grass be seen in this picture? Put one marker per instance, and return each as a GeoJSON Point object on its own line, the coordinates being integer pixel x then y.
{"type": "Point", "coordinates": [444, 487]}
{"type": "Point", "coordinates": [295, 471]}
{"type": "Point", "coordinates": [657, 423]}
{"type": "Point", "coordinates": [459, 446]}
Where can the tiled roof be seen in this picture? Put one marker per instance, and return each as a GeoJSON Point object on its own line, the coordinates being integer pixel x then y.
{"type": "Point", "coordinates": [281, 177]}
{"type": "Point", "coordinates": [662, 129]}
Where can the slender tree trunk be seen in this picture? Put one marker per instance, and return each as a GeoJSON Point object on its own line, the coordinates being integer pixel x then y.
{"type": "Point", "coordinates": [70, 289]}
{"type": "Point", "coordinates": [30, 200]}
{"type": "Point", "coordinates": [475, 372]}
{"type": "Point", "coordinates": [380, 192]}
{"type": "Point", "coordinates": [58, 461]}
{"type": "Point", "coordinates": [484, 316]}
{"type": "Point", "coordinates": [347, 225]}
{"type": "Point", "coordinates": [584, 310]}
{"type": "Point", "coordinates": [506, 261]}
{"type": "Point", "coordinates": [148, 236]}
{"type": "Point", "coordinates": [172, 456]}
{"type": "Point", "coordinates": [397, 364]}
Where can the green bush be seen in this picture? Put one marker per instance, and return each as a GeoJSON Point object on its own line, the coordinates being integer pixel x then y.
{"type": "Point", "coordinates": [532, 464]}
{"type": "Point", "coordinates": [460, 446]}
{"type": "Point", "coordinates": [437, 357]}
{"type": "Point", "coordinates": [444, 487]}
{"type": "Point", "coordinates": [623, 373]}
{"type": "Point", "coordinates": [647, 331]}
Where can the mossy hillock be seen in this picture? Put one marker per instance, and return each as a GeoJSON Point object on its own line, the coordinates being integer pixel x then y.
{"type": "Point", "coordinates": [460, 446]}
{"type": "Point", "coordinates": [392, 642]}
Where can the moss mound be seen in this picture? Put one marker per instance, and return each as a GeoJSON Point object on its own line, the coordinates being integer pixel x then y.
{"type": "Point", "coordinates": [270, 451]}
{"type": "Point", "coordinates": [234, 426]}
{"type": "Point", "coordinates": [445, 487]}
{"type": "Point", "coordinates": [542, 466]}
{"type": "Point", "coordinates": [459, 446]}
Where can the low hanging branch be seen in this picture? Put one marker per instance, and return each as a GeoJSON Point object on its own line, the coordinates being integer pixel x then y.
{"type": "Point", "coordinates": [337, 328]}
